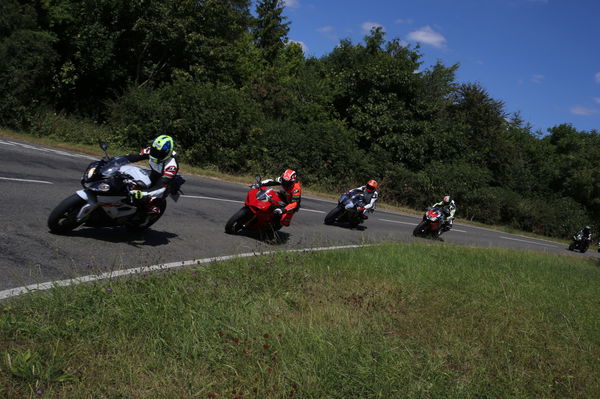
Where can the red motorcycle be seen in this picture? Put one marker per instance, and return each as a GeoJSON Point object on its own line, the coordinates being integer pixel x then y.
{"type": "Point", "coordinates": [432, 223]}
{"type": "Point", "coordinates": [258, 212]}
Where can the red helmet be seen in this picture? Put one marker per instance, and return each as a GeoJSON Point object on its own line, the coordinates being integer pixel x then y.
{"type": "Point", "coordinates": [371, 185]}
{"type": "Point", "coordinates": [288, 178]}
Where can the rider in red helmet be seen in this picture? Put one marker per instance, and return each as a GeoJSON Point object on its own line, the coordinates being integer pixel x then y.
{"type": "Point", "coordinates": [291, 191]}
{"type": "Point", "coordinates": [371, 196]}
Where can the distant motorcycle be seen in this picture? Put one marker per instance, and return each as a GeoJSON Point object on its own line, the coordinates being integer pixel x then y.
{"type": "Point", "coordinates": [348, 209]}
{"type": "Point", "coordinates": [432, 224]}
{"type": "Point", "coordinates": [579, 243]}
{"type": "Point", "coordinates": [105, 199]}
{"type": "Point", "coordinates": [258, 210]}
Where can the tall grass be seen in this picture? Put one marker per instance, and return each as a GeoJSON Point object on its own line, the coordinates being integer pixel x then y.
{"type": "Point", "coordinates": [392, 321]}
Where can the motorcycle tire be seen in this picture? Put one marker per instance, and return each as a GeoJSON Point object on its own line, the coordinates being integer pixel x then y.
{"type": "Point", "coordinates": [572, 246]}
{"type": "Point", "coordinates": [333, 215]}
{"type": "Point", "coordinates": [146, 223]}
{"type": "Point", "coordinates": [421, 229]}
{"type": "Point", "coordinates": [62, 218]}
{"type": "Point", "coordinates": [238, 220]}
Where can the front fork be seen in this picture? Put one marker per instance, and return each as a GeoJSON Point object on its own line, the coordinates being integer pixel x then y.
{"type": "Point", "coordinates": [88, 208]}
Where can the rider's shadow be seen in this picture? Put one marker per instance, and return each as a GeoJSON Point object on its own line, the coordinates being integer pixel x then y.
{"type": "Point", "coordinates": [267, 237]}
{"type": "Point", "coordinates": [349, 226]}
{"type": "Point", "coordinates": [147, 237]}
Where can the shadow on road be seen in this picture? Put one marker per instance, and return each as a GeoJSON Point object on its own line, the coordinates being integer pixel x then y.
{"type": "Point", "coordinates": [148, 237]}
{"type": "Point", "coordinates": [267, 237]}
{"type": "Point", "coordinates": [349, 226]}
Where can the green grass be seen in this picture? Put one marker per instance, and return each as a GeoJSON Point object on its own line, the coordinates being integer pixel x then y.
{"type": "Point", "coordinates": [391, 321]}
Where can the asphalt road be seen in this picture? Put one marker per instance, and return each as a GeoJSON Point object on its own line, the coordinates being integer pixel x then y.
{"type": "Point", "coordinates": [34, 179]}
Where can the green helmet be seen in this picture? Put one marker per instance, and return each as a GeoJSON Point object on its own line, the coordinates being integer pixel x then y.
{"type": "Point", "coordinates": [161, 148]}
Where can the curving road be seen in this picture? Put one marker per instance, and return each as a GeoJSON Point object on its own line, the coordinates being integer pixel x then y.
{"type": "Point", "coordinates": [34, 179]}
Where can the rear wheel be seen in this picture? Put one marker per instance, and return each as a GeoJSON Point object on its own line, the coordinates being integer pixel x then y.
{"type": "Point", "coordinates": [238, 220]}
{"type": "Point", "coordinates": [421, 228]}
{"type": "Point", "coordinates": [64, 217]}
{"type": "Point", "coordinates": [333, 214]}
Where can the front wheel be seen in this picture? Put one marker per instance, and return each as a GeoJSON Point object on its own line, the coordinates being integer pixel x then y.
{"type": "Point", "coordinates": [421, 228]}
{"type": "Point", "coordinates": [64, 217]}
{"type": "Point", "coordinates": [333, 214]}
{"type": "Point", "coordinates": [238, 220]}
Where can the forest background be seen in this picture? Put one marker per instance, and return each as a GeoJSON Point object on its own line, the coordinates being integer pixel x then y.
{"type": "Point", "coordinates": [223, 79]}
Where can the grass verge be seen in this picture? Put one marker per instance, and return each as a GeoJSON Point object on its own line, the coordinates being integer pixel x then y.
{"type": "Point", "coordinates": [411, 321]}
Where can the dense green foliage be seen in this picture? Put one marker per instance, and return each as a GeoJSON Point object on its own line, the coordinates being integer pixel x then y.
{"type": "Point", "coordinates": [237, 95]}
{"type": "Point", "coordinates": [377, 322]}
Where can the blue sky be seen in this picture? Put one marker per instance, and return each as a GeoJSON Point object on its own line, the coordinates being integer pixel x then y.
{"type": "Point", "coordinates": [540, 57]}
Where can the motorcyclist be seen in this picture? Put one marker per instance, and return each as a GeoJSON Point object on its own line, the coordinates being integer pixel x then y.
{"type": "Point", "coordinates": [291, 191]}
{"type": "Point", "coordinates": [371, 195]}
{"type": "Point", "coordinates": [586, 234]}
{"type": "Point", "coordinates": [163, 168]}
{"type": "Point", "coordinates": [448, 207]}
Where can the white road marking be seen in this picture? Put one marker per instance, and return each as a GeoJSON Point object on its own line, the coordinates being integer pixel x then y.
{"type": "Point", "coordinates": [146, 269]}
{"type": "Point", "coordinates": [211, 198]}
{"type": "Point", "coordinates": [397, 221]}
{"type": "Point", "coordinates": [26, 180]}
{"type": "Point", "coordinates": [238, 202]}
{"type": "Point", "coordinates": [59, 152]}
{"type": "Point", "coordinates": [530, 242]}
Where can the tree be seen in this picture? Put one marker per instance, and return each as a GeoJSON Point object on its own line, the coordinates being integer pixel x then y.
{"type": "Point", "coordinates": [270, 30]}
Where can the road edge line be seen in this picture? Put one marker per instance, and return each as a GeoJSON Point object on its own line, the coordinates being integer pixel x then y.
{"type": "Point", "coordinates": [13, 292]}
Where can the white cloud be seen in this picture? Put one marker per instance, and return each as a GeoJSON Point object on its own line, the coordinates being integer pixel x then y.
{"type": "Point", "coordinates": [427, 35]}
{"type": "Point", "coordinates": [291, 3]}
{"type": "Point", "coordinates": [584, 111]}
{"type": "Point", "coordinates": [304, 46]}
{"type": "Point", "coordinates": [537, 78]}
{"type": "Point", "coordinates": [367, 26]}
{"type": "Point", "coordinates": [597, 77]}
{"type": "Point", "coordinates": [404, 21]}
{"type": "Point", "coordinates": [327, 31]}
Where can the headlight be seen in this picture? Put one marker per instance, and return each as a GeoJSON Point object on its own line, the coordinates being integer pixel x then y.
{"type": "Point", "coordinates": [98, 186]}
{"type": "Point", "coordinates": [90, 172]}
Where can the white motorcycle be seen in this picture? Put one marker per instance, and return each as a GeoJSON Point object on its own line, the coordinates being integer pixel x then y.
{"type": "Point", "coordinates": [105, 199]}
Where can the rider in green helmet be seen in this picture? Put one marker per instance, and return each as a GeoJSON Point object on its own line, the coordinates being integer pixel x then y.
{"type": "Point", "coordinates": [163, 164]}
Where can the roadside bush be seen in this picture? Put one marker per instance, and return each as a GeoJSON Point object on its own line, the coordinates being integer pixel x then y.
{"type": "Point", "coordinates": [403, 186]}
{"type": "Point", "coordinates": [322, 151]}
{"type": "Point", "coordinates": [70, 128]}
{"type": "Point", "coordinates": [211, 125]}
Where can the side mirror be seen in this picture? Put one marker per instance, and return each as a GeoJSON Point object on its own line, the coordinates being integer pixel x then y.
{"type": "Point", "coordinates": [103, 145]}
{"type": "Point", "coordinates": [258, 178]}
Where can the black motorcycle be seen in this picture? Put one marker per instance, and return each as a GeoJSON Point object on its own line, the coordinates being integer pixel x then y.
{"type": "Point", "coordinates": [347, 210]}
{"type": "Point", "coordinates": [579, 243]}
{"type": "Point", "coordinates": [105, 199]}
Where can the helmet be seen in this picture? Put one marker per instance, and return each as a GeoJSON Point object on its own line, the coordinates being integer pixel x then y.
{"type": "Point", "coordinates": [371, 185]}
{"type": "Point", "coordinates": [447, 200]}
{"type": "Point", "coordinates": [161, 149]}
{"type": "Point", "coordinates": [288, 178]}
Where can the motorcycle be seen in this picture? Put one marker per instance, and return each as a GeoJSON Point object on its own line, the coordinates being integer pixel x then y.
{"type": "Point", "coordinates": [258, 212]}
{"type": "Point", "coordinates": [579, 243]}
{"type": "Point", "coordinates": [105, 199]}
{"type": "Point", "coordinates": [432, 223]}
{"type": "Point", "coordinates": [347, 209]}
